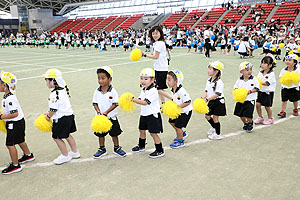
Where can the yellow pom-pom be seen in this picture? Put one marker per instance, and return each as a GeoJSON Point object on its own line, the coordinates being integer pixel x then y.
{"type": "Point", "coordinates": [260, 83]}
{"type": "Point", "coordinates": [240, 95]}
{"type": "Point", "coordinates": [200, 106]}
{"type": "Point", "coordinates": [281, 45]}
{"type": "Point", "coordinates": [42, 124]}
{"type": "Point", "coordinates": [286, 79]}
{"type": "Point", "coordinates": [171, 109]}
{"type": "Point", "coordinates": [274, 48]}
{"type": "Point", "coordinates": [101, 124]}
{"type": "Point", "coordinates": [126, 103]}
{"type": "Point", "coordinates": [2, 125]}
{"type": "Point", "coordinates": [295, 78]}
{"type": "Point", "coordinates": [298, 50]}
{"type": "Point", "coordinates": [291, 52]}
{"type": "Point", "coordinates": [136, 54]}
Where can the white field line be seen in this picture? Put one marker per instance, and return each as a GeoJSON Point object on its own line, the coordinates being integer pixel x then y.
{"type": "Point", "coordinates": [200, 141]}
{"type": "Point", "coordinates": [92, 68]}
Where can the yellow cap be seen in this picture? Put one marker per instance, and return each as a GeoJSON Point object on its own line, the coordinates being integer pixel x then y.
{"type": "Point", "coordinates": [217, 65]}
{"type": "Point", "coordinates": [147, 72]}
{"type": "Point", "coordinates": [10, 80]}
{"type": "Point", "coordinates": [179, 76]}
{"type": "Point", "coordinates": [292, 56]}
{"type": "Point", "coordinates": [108, 70]}
{"type": "Point", "coordinates": [245, 65]}
{"type": "Point", "coordinates": [57, 75]}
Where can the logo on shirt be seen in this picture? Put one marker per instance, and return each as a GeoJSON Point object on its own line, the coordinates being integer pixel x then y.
{"type": "Point", "coordinates": [252, 84]}
{"type": "Point", "coordinates": [10, 103]}
{"type": "Point", "coordinates": [110, 97]}
{"type": "Point", "coordinates": [267, 77]}
{"type": "Point", "coordinates": [52, 101]}
{"type": "Point", "coordinates": [3, 104]}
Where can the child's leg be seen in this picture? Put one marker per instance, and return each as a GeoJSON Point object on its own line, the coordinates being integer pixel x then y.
{"type": "Point", "coordinates": [24, 148]}
{"type": "Point", "coordinates": [269, 112]}
{"type": "Point", "coordinates": [283, 105]}
{"type": "Point", "coordinates": [258, 109]}
{"type": "Point", "coordinates": [161, 96]}
{"type": "Point", "coordinates": [155, 138]}
{"type": "Point", "coordinates": [244, 120]}
{"type": "Point", "coordinates": [62, 146]}
{"type": "Point", "coordinates": [72, 143]}
{"type": "Point", "coordinates": [210, 120]}
{"type": "Point", "coordinates": [217, 124]}
{"type": "Point", "coordinates": [115, 140]}
{"type": "Point", "coordinates": [101, 141]}
{"type": "Point", "coordinates": [13, 154]}
{"type": "Point", "coordinates": [250, 121]}
{"type": "Point", "coordinates": [295, 104]}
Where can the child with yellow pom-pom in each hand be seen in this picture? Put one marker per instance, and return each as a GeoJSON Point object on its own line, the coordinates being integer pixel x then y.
{"type": "Point", "coordinates": [183, 100]}
{"type": "Point", "coordinates": [266, 94]}
{"type": "Point", "coordinates": [215, 97]}
{"type": "Point", "coordinates": [249, 82]}
{"type": "Point", "coordinates": [150, 118]}
{"type": "Point", "coordinates": [105, 102]}
{"type": "Point", "coordinates": [289, 92]}
{"type": "Point", "coordinates": [61, 112]}
{"type": "Point", "coordinates": [13, 115]}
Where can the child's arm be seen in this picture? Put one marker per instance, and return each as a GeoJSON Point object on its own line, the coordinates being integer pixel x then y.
{"type": "Point", "coordinates": [110, 109]}
{"type": "Point", "coordinates": [155, 56]}
{"type": "Point", "coordinates": [212, 97]}
{"type": "Point", "coordinates": [49, 114]}
{"type": "Point", "coordinates": [185, 104]}
{"type": "Point", "coordinates": [9, 116]}
{"type": "Point", "coordinates": [166, 94]}
{"type": "Point", "coordinates": [96, 107]}
{"type": "Point", "coordinates": [139, 101]}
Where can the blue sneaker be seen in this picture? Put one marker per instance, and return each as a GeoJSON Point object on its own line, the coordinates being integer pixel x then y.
{"type": "Point", "coordinates": [177, 144]}
{"type": "Point", "coordinates": [118, 151]}
{"type": "Point", "coordinates": [185, 135]}
{"type": "Point", "coordinates": [100, 153]}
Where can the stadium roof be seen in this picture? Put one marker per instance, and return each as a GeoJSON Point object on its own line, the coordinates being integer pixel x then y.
{"type": "Point", "coordinates": [56, 5]}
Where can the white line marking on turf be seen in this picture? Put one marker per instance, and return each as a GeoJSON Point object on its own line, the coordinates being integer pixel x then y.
{"type": "Point", "coordinates": [200, 141]}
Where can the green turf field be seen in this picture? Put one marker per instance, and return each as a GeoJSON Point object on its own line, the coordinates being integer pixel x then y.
{"type": "Point", "coordinates": [260, 165]}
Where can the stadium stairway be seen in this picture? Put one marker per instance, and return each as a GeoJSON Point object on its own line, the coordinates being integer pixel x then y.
{"type": "Point", "coordinates": [297, 19]}
{"type": "Point", "coordinates": [244, 17]}
{"type": "Point", "coordinates": [286, 11]}
{"type": "Point", "coordinates": [197, 22]}
{"type": "Point", "coordinates": [271, 13]}
{"type": "Point", "coordinates": [221, 17]}
{"type": "Point", "coordinates": [158, 20]}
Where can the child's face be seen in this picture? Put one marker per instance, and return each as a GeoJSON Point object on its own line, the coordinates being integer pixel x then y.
{"type": "Point", "coordinates": [2, 86]}
{"type": "Point", "coordinates": [50, 84]}
{"type": "Point", "coordinates": [103, 80]}
{"type": "Point", "coordinates": [246, 72]}
{"type": "Point", "coordinates": [265, 66]}
{"type": "Point", "coordinates": [146, 81]}
{"type": "Point", "coordinates": [171, 81]}
{"type": "Point", "coordinates": [289, 62]}
{"type": "Point", "coordinates": [156, 35]}
{"type": "Point", "coordinates": [211, 71]}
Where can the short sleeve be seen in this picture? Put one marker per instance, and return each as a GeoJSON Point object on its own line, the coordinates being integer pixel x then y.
{"type": "Point", "coordinates": [220, 87]}
{"type": "Point", "coordinates": [281, 73]}
{"type": "Point", "coordinates": [159, 46]}
{"type": "Point", "coordinates": [185, 96]}
{"type": "Point", "coordinates": [151, 96]}
{"type": "Point", "coordinates": [207, 86]}
{"type": "Point", "coordinates": [95, 97]}
{"type": "Point", "coordinates": [115, 97]}
{"type": "Point", "coordinates": [236, 85]}
{"type": "Point", "coordinates": [12, 105]}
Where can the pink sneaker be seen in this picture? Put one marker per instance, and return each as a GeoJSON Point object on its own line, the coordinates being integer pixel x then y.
{"type": "Point", "coordinates": [269, 121]}
{"type": "Point", "coordinates": [259, 120]}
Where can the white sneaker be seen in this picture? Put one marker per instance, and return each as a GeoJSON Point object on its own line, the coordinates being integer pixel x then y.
{"type": "Point", "coordinates": [74, 154]}
{"type": "Point", "coordinates": [211, 131]}
{"type": "Point", "coordinates": [62, 159]}
{"type": "Point", "coordinates": [214, 136]}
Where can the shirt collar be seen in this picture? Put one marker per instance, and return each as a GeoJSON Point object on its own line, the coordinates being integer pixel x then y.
{"type": "Point", "coordinates": [262, 71]}
{"type": "Point", "coordinates": [7, 95]}
{"type": "Point", "coordinates": [177, 89]}
{"type": "Point", "coordinates": [108, 89]}
{"type": "Point", "coordinates": [150, 86]}
{"type": "Point", "coordinates": [295, 67]}
{"type": "Point", "coordinates": [242, 77]}
{"type": "Point", "coordinates": [58, 88]}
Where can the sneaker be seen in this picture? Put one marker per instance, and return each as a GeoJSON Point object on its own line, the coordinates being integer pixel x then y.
{"type": "Point", "coordinates": [282, 114]}
{"type": "Point", "coordinates": [295, 112]}
{"type": "Point", "coordinates": [214, 136]}
{"type": "Point", "coordinates": [120, 152]}
{"type": "Point", "coordinates": [100, 153]}
{"type": "Point", "coordinates": [156, 154]}
{"type": "Point", "coordinates": [250, 127]}
{"type": "Point", "coordinates": [177, 144]}
{"type": "Point", "coordinates": [138, 149]}
{"type": "Point", "coordinates": [12, 169]}
{"type": "Point", "coordinates": [245, 127]}
{"type": "Point", "coordinates": [185, 135]}
{"type": "Point", "coordinates": [259, 120]}
{"type": "Point", "coordinates": [26, 158]}
{"type": "Point", "coordinates": [269, 121]}
{"type": "Point", "coordinates": [74, 155]}
{"type": "Point", "coordinates": [211, 131]}
{"type": "Point", "coordinates": [62, 159]}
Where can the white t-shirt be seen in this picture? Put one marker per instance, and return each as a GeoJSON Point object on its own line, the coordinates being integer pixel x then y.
{"type": "Point", "coordinates": [10, 104]}
{"type": "Point", "coordinates": [243, 47]}
{"type": "Point", "coordinates": [161, 63]}
{"type": "Point", "coordinates": [210, 88]}
{"type": "Point", "coordinates": [180, 96]}
{"type": "Point", "coordinates": [270, 78]}
{"type": "Point", "coordinates": [150, 95]}
{"type": "Point", "coordinates": [61, 106]}
{"type": "Point", "coordinates": [206, 34]}
{"type": "Point", "coordinates": [105, 100]}
{"type": "Point", "coordinates": [250, 84]}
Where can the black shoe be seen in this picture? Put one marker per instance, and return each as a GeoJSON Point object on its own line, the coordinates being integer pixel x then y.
{"type": "Point", "coordinates": [250, 127]}
{"type": "Point", "coordinates": [26, 158]}
{"type": "Point", "coordinates": [12, 169]}
{"type": "Point", "coordinates": [245, 127]}
{"type": "Point", "coordinates": [137, 149]}
{"type": "Point", "coordinates": [156, 154]}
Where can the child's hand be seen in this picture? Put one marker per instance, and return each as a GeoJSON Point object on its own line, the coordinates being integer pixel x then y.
{"type": "Point", "coordinates": [143, 53]}
{"type": "Point", "coordinates": [47, 118]}
{"type": "Point", "coordinates": [249, 92]}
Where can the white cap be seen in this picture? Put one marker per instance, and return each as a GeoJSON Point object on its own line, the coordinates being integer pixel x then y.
{"type": "Point", "coordinates": [57, 75]}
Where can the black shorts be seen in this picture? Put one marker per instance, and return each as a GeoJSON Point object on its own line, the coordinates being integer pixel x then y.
{"type": "Point", "coordinates": [216, 107]}
{"type": "Point", "coordinates": [161, 79]}
{"type": "Point", "coordinates": [222, 46]}
{"type": "Point", "coordinates": [147, 46]}
{"type": "Point", "coordinates": [63, 127]}
{"type": "Point", "coordinates": [182, 120]}
{"type": "Point", "coordinates": [228, 46]}
{"type": "Point", "coordinates": [189, 46]}
{"type": "Point", "coordinates": [114, 131]}
{"type": "Point", "coordinates": [131, 45]}
{"type": "Point", "coordinates": [266, 51]}
{"type": "Point", "coordinates": [113, 45]}
{"type": "Point", "coordinates": [195, 46]}
{"type": "Point", "coordinates": [15, 132]}
{"type": "Point", "coordinates": [244, 109]}
{"type": "Point", "coordinates": [291, 94]}
{"type": "Point", "coordinates": [151, 123]}
{"type": "Point", "coordinates": [265, 99]}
